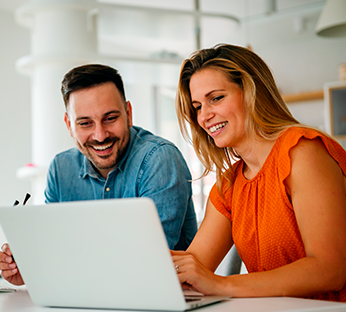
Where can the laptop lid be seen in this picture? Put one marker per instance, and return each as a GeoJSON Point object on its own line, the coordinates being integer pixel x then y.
{"type": "Point", "coordinates": [94, 254]}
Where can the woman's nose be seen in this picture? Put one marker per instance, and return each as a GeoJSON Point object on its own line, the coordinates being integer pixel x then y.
{"type": "Point", "coordinates": [205, 114]}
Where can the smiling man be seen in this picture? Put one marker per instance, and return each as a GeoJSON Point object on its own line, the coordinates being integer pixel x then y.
{"type": "Point", "coordinates": [114, 158]}
{"type": "Point", "coordinates": [99, 123]}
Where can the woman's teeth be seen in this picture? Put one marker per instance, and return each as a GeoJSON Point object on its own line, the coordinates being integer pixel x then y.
{"type": "Point", "coordinates": [217, 127]}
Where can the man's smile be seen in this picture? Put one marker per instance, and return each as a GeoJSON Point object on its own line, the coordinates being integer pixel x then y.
{"type": "Point", "coordinates": [102, 147]}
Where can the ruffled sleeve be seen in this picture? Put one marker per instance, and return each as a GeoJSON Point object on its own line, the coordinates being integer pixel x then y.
{"type": "Point", "coordinates": [291, 138]}
{"type": "Point", "coordinates": [224, 205]}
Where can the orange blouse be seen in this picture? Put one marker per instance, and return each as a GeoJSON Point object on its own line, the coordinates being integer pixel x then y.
{"type": "Point", "coordinates": [264, 226]}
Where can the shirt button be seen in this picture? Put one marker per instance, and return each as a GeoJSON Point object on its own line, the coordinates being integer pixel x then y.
{"type": "Point", "coordinates": [108, 189]}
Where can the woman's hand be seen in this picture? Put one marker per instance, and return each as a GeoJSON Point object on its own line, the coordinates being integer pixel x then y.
{"type": "Point", "coordinates": [194, 275]}
{"type": "Point", "coordinates": [8, 267]}
{"type": "Point", "coordinates": [195, 266]}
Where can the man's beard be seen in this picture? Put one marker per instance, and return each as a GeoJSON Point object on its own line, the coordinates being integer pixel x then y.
{"type": "Point", "coordinates": [117, 155]}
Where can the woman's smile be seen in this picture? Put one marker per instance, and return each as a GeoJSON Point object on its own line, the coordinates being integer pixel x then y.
{"type": "Point", "coordinates": [219, 106]}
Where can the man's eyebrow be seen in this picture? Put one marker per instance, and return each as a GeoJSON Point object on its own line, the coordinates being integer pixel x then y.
{"type": "Point", "coordinates": [113, 112]}
{"type": "Point", "coordinates": [106, 114]}
{"type": "Point", "coordinates": [82, 118]}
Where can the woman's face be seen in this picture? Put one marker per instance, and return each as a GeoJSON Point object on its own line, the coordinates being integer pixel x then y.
{"type": "Point", "coordinates": [219, 107]}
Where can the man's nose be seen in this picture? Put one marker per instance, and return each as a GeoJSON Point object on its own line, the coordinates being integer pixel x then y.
{"type": "Point", "coordinates": [100, 132]}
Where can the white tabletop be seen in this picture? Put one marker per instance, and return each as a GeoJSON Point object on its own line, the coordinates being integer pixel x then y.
{"type": "Point", "coordinates": [20, 301]}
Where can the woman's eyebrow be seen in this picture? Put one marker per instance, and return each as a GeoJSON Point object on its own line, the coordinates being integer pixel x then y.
{"type": "Point", "coordinates": [208, 94]}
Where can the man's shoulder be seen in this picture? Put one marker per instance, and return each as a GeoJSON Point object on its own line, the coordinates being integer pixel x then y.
{"type": "Point", "coordinates": [151, 154]}
{"type": "Point", "coordinates": [149, 147]}
{"type": "Point", "coordinates": [146, 139]}
{"type": "Point", "coordinates": [72, 154]}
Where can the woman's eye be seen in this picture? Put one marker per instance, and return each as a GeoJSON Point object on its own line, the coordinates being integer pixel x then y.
{"type": "Point", "coordinates": [197, 106]}
{"type": "Point", "coordinates": [218, 98]}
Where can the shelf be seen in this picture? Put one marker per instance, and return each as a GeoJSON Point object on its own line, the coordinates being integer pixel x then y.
{"type": "Point", "coordinates": [303, 96]}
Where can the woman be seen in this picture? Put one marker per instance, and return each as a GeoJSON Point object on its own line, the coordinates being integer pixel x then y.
{"type": "Point", "coordinates": [282, 203]}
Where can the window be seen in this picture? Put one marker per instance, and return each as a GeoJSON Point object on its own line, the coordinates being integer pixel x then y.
{"type": "Point", "coordinates": [166, 125]}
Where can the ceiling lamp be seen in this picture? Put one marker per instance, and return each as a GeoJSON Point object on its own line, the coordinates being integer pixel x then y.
{"type": "Point", "coordinates": [332, 21]}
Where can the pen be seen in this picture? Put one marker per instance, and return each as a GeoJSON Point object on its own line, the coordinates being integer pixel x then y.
{"type": "Point", "coordinates": [16, 202]}
{"type": "Point", "coordinates": [27, 196]}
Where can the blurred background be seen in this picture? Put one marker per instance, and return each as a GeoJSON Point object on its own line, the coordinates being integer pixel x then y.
{"type": "Point", "coordinates": [146, 40]}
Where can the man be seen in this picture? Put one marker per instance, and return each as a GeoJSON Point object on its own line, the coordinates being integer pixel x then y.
{"type": "Point", "coordinates": [115, 159]}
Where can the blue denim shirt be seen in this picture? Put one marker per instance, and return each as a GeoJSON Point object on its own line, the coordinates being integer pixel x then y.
{"type": "Point", "coordinates": [152, 167]}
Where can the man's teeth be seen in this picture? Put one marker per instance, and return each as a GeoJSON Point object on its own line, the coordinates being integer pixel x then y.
{"type": "Point", "coordinates": [103, 147]}
{"type": "Point", "coordinates": [217, 127]}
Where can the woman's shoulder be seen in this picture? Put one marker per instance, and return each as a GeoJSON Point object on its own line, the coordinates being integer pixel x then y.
{"type": "Point", "coordinates": [300, 131]}
{"type": "Point", "coordinates": [294, 136]}
{"type": "Point", "coordinates": [297, 142]}
{"type": "Point", "coordinates": [308, 148]}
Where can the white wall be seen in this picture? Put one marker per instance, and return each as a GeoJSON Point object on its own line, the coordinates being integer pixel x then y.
{"type": "Point", "coordinates": [299, 61]}
{"type": "Point", "coordinates": [15, 116]}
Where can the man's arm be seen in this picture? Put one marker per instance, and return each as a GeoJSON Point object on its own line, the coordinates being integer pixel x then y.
{"type": "Point", "coordinates": [50, 192]}
{"type": "Point", "coordinates": [8, 267]}
{"type": "Point", "coordinates": [166, 179]}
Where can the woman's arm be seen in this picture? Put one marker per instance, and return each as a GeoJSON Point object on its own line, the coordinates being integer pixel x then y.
{"type": "Point", "coordinates": [317, 191]}
{"type": "Point", "coordinates": [213, 239]}
{"type": "Point", "coordinates": [210, 245]}
{"type": "Point", "coordinates": [316, 188]}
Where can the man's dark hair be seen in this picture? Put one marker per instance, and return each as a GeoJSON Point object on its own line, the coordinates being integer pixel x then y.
{"type": "Point", "coordinates": [87, 76]}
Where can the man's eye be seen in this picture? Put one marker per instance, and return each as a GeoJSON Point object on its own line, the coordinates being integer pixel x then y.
{"type": "Point", "coordinates": [111, 119]}
{"type": "Point", "coordinates": [85, 124]}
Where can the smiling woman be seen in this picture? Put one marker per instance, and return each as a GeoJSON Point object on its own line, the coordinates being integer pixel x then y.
{"type": "Point", "coordinates": [261, 101]}
{"type": "Point", "coordinates": [282, 203]}
{"type": "Point", "coordinates": [213, 94]}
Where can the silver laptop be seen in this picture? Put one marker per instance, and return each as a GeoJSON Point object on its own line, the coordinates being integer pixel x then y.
{"type": "Point", "coordinates": [109, 254]}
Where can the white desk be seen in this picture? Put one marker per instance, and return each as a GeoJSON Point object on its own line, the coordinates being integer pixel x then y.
{"type": "Point", "coordinates": [20, 302]}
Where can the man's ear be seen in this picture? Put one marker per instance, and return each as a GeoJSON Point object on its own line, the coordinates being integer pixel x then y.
{"type": "Point", "coordinates": [68, 123]}
{"type": "Point", "coordinates": [129, 113]}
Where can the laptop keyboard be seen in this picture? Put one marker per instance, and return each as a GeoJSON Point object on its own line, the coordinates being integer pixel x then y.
{"type": "Point", "coordinates": [187, 299]}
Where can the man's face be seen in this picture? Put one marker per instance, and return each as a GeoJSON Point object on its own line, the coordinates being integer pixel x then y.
{"type": "Point", "coordinates": [100, 125]}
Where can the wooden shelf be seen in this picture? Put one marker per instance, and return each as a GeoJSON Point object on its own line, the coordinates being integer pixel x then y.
{"type": "Point", "coordinates": [303, 96]}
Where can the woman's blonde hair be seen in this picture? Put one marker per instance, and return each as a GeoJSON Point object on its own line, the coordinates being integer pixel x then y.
{"type": "Point", "coordinates": [267, 113]}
